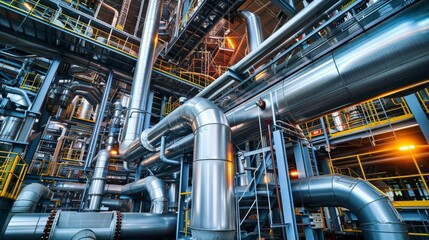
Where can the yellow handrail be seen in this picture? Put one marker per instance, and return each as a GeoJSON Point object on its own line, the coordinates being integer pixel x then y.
{"type": "Point", "coordinates": [12, 172]}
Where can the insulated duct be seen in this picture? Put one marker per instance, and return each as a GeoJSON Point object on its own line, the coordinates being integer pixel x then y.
{"type": "Point", "coordinates": [29, 198]}
{"type": "Point", "coordinates": [134, 120]}
{"type": "Point", "coordinates": [213, 214]}
{"type": "Point", "coordinates": [85, 234]}
{"type": "Point", "coordinates": [91, 93]}
{"type": "Point", "coordinates": [98, 180]}
{"type": "Point", "coordinates": [104, 225]}
{"type": "Point", "coordinates": [377, 216]}
{"type": "Point", "coordinates": [253, 28]}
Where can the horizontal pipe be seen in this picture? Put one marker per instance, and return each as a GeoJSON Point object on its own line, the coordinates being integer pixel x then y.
{"type": "Point", "coordinates": [133, 226]}
{"type": "Point", "coordinates": [377, 216]}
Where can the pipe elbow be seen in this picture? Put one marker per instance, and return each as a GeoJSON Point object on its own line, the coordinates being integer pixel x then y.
{"type": "Point", "coordinates": [29, 198]}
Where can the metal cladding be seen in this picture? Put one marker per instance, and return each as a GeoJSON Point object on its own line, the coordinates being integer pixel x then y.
{"type": "Point", "coordinates": [29, 198]}
{"type": "Point", "coordinates": [85, 234]}
{"type": "Point", "coordinates": [141, 81]}
{"type": "Point", "coordinates": [253, 28]}
{"type": "Point", "coordinates": [98, 181]}
{"type": "Point", "coordinates": [133, 226]}
{"type": "Point", "coordinates": [366, 67]}
{"type": "Point", "coordinates": [376, 214]}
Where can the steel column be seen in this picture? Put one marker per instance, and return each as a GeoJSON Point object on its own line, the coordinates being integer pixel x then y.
{"type": "Point", "coordinates": [285, 187]}
{"type": "Point", "coordinates": [420, 116]}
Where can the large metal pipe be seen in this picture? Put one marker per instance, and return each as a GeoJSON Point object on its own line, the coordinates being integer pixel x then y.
{"type": "Point", "coordinates": [85, 234]}
{"type": "Point", "coordinates": [355, 72]}
{"type": "Point", "coordinates": [104, 225]}
{"type": "Point", "coordinates": [29, 198]}
{"type": "Point", "coordinates": [213, 217]}
{"type": "Point", "coordinates": [313, 10]}
{"type": "Point", "coordinates": [134, 120]}
{"type": "Point", "coordinates": [376, 214]}
{"type": "Point", "coordinates": [253, 28]}
{"type": "Point", "coordinates": [98, 181]}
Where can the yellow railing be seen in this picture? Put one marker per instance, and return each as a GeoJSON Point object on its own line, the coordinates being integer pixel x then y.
{"type": "Point", "coordinates": [170, 106]}
{"type": "Point", "coordinates": [388, 162]}
{"type": "Point", "coordinates": [73, 25]}
{"type": "Point", "coordinates": [423, 96]}
{"type": "Point", "coordinates": [54, 169]}
{"type": "Point", "coordinates": [12, 172]}
{"type": "Point", "coordinates": [360, 118]}
{"type": "Point", "coordinates": [71, 154]}
{"type": "Point", "coordinates": [31, 82]}
{"type": "Point", "coordinates": [194, 78]}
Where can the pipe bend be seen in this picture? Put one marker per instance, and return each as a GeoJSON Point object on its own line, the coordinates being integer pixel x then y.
{"type": "Point", "coordinates": [29, 198]}
{"type": "Point", "coordinates": [84, 234]}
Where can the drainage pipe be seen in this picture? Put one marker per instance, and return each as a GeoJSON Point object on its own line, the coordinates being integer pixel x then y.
{"type": "Point", "coordinates": [376, 214]}
{"type": "Point", "coordinates": [29, 198]}
{"type": "Point", "coordinates": [214, 216]}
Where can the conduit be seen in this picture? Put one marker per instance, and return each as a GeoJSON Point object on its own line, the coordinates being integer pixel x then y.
{"type": "Point", "coordinates": [377, 217]}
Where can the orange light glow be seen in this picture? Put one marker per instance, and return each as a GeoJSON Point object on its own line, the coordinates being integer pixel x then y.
{"type": "Point", "coordinates": [231, 44]}
{"type": "Point", "coordinates": [293, 173]}
{"type": "Point", "coordinates": [404, 148]}
{"type": "Point", "coordinates": [113, 152]}
{"type": "Point", "coordinates": [27, 6]}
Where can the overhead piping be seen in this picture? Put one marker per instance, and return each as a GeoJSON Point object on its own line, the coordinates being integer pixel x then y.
{"type": "Point", "coordinates": [253, 28]}
{"type": "Point", "coordinates": [377, 217]}
{"type": "Point", "coordinates": [29, 197]}
{"type": "Point", "coordinates": [213, 218]}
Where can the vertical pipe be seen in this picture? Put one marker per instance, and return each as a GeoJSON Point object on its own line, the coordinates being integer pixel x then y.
{"type": "Point", "coordinates": [253, 28]}
{"type": "Point", "coordinates": [100, 116]}
{"type": "Point", "coordinates": [141, 81]}
{"type": "Point", "coordinates": [98, 181]}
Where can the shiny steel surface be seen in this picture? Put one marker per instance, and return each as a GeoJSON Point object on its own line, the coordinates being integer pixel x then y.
{"type": "Point", "coordinates": [313, 10]}
{"type": "Point", "coordinates": [98, 180]}
{"type": "Point", "coordinates": [155, 188]}
{"type": "Point", "coordinates": [142, 75]}
{"type": "Point", "coordinates": [135, 226]}
{"type": "Point", "coordinates": [253, 28]}
{"type": "Point", "coordinates": [114, 127]}
{"type": "Point", "coordinates": [367, 67]}
{"type": "Point", "coordinates": [29, 197]}
{"type": "Point", "coordinates": [85, 110]}
{"type": "Point", "coordinates": [377, 216]}
{"type": "Point", "coordinates": [10, 128]}
{"type": "Point", "coordinates": [84, 234]}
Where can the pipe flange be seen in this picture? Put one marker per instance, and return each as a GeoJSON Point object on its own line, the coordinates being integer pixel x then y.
{"type": "Point", "coordinates": [117, 235]}
{"type": "Point", "coordinates": [48, 226]}
{"type": "Point", "coordinates": [145, 142]}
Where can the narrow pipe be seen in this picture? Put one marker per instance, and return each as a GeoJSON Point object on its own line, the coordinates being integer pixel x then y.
{"type": "Point", "coordinates": [376, 214]}
{"type": "Point", "coordinates": [162, 156]}
{"type": "Point", "coordinates": [29, 197]}
{"type": "Point", "coordinates": [253, 28]}
{"type": "Point", "coordinates": [114, 126]}
{"type": "Point", "coordinates": [98, 181]}
{"type": "Point", "coordinates": [24, 101]}
{"type": "Point", "coordinates": [142, 75]}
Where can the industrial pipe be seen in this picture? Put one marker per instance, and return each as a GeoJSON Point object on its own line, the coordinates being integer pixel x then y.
{"type": "Point", "coordinates": [85, 234]}
{"type": "Point", "coordinates": [29, 198]}
{"type": "Point", "coordinates": [214, 216]}
{"type": "Point", "coordinates": [114, 126]}
{"type": "Point", "coordinates": [377, 217]}
{"type": "Point", "coordinates": [253, 28]}
{"type": "Point", "coordinates": [98, 180]}
{"type": "Point", "coordinates": [104, 225]}
{"type": "Point", "coordinates": [134, 120]}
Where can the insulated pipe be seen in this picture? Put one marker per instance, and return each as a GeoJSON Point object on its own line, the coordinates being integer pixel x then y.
{"type": "Point", "coordinates": [85, 234]}
{"type": "Point", "coordinates": [134, 120]}
{"type": "Point", "coordinates": [114, 127]}
{"type": "Point", "coordinates": [313, 10]}
{"type": "Point", "coordinates": [253, 28]}
{"type": "Point", "coordinates": [98, 181]}
{"type": "Point", "coordinates": [214, 216]}
{"type": "Point", "coordinates": [133, 226]}
{"type": "Point", "coordinates": [155, 187]}
{"type": "Point", "coordinates": [115, 12]}
{"type": "Point", "coordinates": [23, 101]}
{"type": "Point", "coordinates": [376, 214]}
{"type": "Point", "coordinates": [29, 198]}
